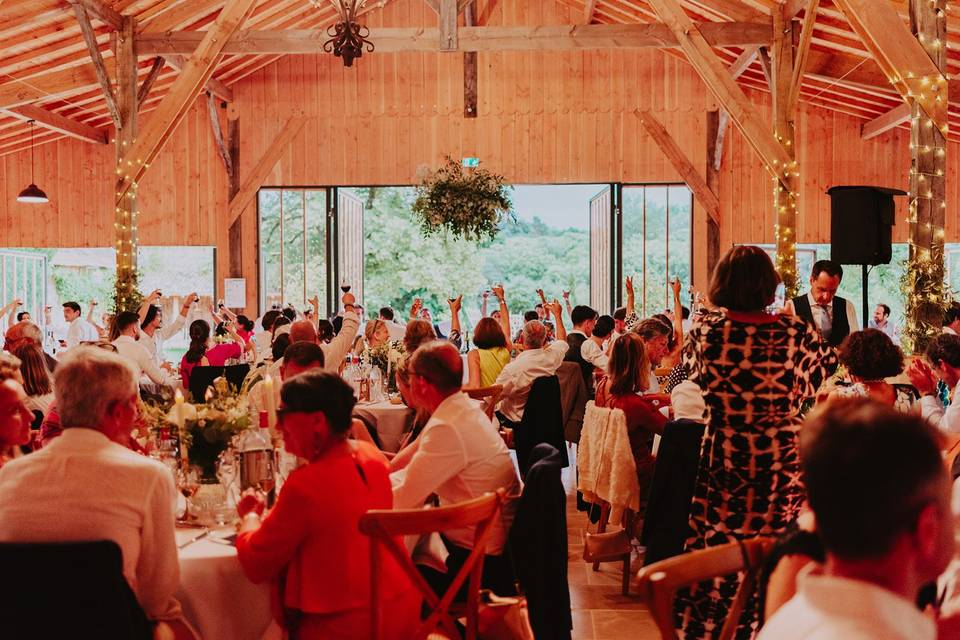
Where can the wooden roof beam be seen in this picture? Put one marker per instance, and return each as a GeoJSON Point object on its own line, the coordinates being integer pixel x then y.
{"type": "Point", "coordinates": [802, 52]}
{"type": "Point", "coordinates": [731, 96]}
{"type": "Point", "coordinates": [152, 76]}
{"type": "Point", "coordinates": [181, 95]}
{"type": "Point", "coordinates": [588, 8]}
{"type": "Point", "coordinates": [101, 10]}
{"type": "Point", "coordinates": [697, 183]}
{"type": "Point", "coordinates": [391, 39]}
{"type": "Point", "coordinates": [900, 56]}
{"type": "Point", "coordinates": [61, 124]}
{"type": "Point", "coordinates": [890, 120]}
{"type": "Point", "coordinates": [213, 85]}
{"type": "Point", "coordinates": [99, 68]}
{"type": "Point", "coordinates": [264, 166]}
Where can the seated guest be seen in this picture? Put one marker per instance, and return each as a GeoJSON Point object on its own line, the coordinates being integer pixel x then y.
{"type": "Point", "coordinates": [310, 539]}
{"type": "Point", "coordinates": [325, 331]}
{"type": "Point", "coordinates": [153, 333]}
{"type": "Point", "coordinates": [86, 485]}
{"type": "Point", "coordinates": [870, 356]}
{"type": "Point", "coordinates": [36, 378]}
{"type": "Point", "coordinates": [592, 350]}
{"type": "Point", "coordinates": [130, 348]}
{"type": "Point", "coordinates": [26, 332]}
{"type": "Point", "coordinates": [458, 456]}
{"type": "Point", "coordinates": [656, 336]}
{"type": "Point", "coordinates": [336, 349]}
{"type": "Point", "coordinates": [201, 353]}
{"type": "Point", "coordinates": [395, 329]}
{"type": "Point", "coordinates": [15, 415]}
{"type": "Point", "coordinates": [375, 335]}
{"type": "Point", "coordinates": [535, 361]}
{"type": "Point", "coordinates": [583, 319]}
{"type": "Point", "coordinates": [951, 319]}
{"type": "Point", "coordinates": [491, 355]}
{"type": "Point", "coordinates": [880, 496]}
{"type": "Point", "coordinates": [622, 389]}
{"type": "Point", "coordinates": [417, 333]}
{"type": "Point", "coordinates": [80, 330]}
{"type": "Point", "coordinates": [943, 352]}
{"type": "Point", "coordinates": [265, 335]}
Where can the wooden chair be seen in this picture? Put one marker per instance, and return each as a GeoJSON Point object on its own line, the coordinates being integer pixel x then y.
{"type": "Point", "coordinates": [951, 449]}
{"type": "Point", "coordinates": [385, 526]}
{"type": "Point", "coordinates": [659, 582]}
{"type": "Point", "coordinates": [491, 394]}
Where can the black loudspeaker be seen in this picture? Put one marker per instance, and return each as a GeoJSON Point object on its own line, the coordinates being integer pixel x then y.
{"type": "Point", "coordinates": [861, 224]}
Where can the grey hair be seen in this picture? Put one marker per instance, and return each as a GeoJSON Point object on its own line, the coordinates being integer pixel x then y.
{"type": "Point", "coordinates": [534, 335]}
{"type": "Point", "coordinates": [80, 403]}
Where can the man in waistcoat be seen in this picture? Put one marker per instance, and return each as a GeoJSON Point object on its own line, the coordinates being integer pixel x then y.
{"type": "Point", "coordinates": [834, 317]}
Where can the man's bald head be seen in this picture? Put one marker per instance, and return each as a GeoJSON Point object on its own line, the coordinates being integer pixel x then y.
{"type": "Point", "coordinates": [303, 331]}
{"type": "Point", "coordinates": [439, 363]}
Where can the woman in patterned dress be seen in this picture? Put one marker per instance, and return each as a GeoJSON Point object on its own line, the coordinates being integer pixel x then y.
{"type": "Point", "coordinates": [755, 369]}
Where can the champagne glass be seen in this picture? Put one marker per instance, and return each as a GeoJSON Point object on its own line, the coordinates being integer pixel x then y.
{"type": "Point", "coordinates": [227, 473]}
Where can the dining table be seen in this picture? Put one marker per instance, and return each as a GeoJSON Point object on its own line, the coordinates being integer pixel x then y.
{"type": "Point", "coordinates": [390, 419]}
{"type": "Point", "coordinates": [217, 599]}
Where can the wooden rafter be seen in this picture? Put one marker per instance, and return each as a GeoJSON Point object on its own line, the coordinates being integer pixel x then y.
{"type": "Point", "coordinates": [393, 39]}
{"type": "Point", "coordinates": [803, 50]}
{"type": "Point", "coordinates": [264, 166]}
{"type": "Point", "coordinates": [737, 68]}
{"type": "Point", "coordinates": [719, 81]}
{"type": "Point", "coordinates": [101, 10]}
{"type": "Point", "coordinates": [61, 124]}
{"type": "Point", "coordinates": [182, 93]}
{"type": "Point", "coordinates": [213, 85]}
{"type": "Point", "coordinates": [680, 162]}
{"type": "Point", "coordinates": [899, 55]}
{"type": "Point", "coordinates": [214, 114]}
{"type": "Point", "coordinates": [99, 68]}
{"type": "Point", "coordinates": [448, 25]}
{"type": "Point", "coordinates": [152, 76]}
{"type": "Point", "coordinates": [588, 8]}
{"type": "Point", "coordinates": [890, 120]}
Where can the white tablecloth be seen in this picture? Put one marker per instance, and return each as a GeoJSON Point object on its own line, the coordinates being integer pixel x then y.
{"type": "Point", "coordinates": [390, 421]}
{"type": "Point", "coordinates": [217, 598]}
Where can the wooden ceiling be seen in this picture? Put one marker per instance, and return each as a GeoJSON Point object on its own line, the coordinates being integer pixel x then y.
{"type": "Point", "coordinates": [39, 38]}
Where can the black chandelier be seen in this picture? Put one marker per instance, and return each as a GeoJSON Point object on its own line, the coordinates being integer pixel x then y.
{"type": "Point", "coordinates": [347, 38]}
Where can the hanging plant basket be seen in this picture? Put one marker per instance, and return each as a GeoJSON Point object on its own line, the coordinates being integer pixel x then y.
{"type": "Point", "coordinates": [466, 203]}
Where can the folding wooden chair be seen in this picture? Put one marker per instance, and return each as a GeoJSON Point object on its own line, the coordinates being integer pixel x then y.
{"type": "Point", "coordinates": [659, 581]}
{"type": "Point", "coordinates": [491, 394]}
{"type": "Point", "coordinates": [385, 528]}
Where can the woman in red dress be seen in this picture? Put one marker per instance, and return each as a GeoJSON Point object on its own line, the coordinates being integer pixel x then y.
{"type": "Point", "coordinates": [310, 544]}
{"type": "Point", "coordinates": [201, 353]}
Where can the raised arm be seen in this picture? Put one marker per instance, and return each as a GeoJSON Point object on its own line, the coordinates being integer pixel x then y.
{"type": "Point", "coordinates": [145, 305]}
{"type": "Point", "coordinates": [557, 310]}
{"type": "Point", "coordinates": [315, 303]}
{"type": "Point", "coordinates": [566, 302]}
{"type": "Point", "coordinates": [504, 312]}
{"type": "Point", "coordinates": [415, 308]}
{"type": "Point", "coordinates": [631, 299]}
{"type": "Point", "coordinates": [455, 304]}
{"type": "Point", "coordinates": [677, 311]}
{"type": "Point", "coordinates": [543, 301]}
{"type": "Point", "coordinates": [90, 316]}
{"type": "Point", "coordinates": [232, 332]}
{"type": "Point", "coordinates": [483, 304]}
{"type": "Point", "coordinates": [11, 309]}
{"type": "Point", "coordinates": [229, 315]}
{"type": "Point", "coordinates": [168, 330]}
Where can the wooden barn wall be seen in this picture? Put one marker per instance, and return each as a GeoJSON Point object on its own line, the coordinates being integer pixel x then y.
{"type": "Point", "coordinates": [545, 117]}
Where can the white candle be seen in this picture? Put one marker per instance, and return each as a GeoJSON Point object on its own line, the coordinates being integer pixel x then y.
{"type": "Point", "coordinates": [178, 405]}
{"type": "Point", "coordinates": [270, 401]}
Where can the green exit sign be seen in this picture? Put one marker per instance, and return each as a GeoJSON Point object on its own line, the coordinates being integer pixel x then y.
{"type": "Point", "coordinates": [471, 163]}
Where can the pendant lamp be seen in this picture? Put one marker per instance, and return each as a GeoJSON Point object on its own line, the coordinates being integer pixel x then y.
{"type": "Point", "coordinates": [32, 193]}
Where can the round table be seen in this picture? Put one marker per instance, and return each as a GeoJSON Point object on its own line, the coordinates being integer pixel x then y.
{"type": "Point", "coordinates": [217, 598]}
{"type": "Point", "coordinates": [390, 420]}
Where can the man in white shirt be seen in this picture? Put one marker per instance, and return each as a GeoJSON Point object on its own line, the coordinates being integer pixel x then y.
{"type": "Point", "coordinates": [458, 456]}
{"type": "Point", "coordinates": [881, 322]}
{"type": "Point", "coordinates": [86, 486]}
{"type": "Point", "coordinates": [834, 317]}
{"type": "Point", "coordinates": [153, 332]}
{"type": "Point", "coordinates": [584, 319]}
{"type": "Point", "coordinates": [943, 353]}
{"type": "Point", "coordinates": [130, 348]}
{"type": "Point", "coordinates": [395, 329]}
{"type": "Point", "coordinates": [264, 337]}
{"type": "Point", "coordinates": [951, 319]}
{"type": "Point", "coordinates": [535, 361]}
{"type": "Point", "coordinates": [592, 350]}
{"type": "Point", "coordinates": [80, 330]}
{"type": "Point", "coordinates": [880, 496]}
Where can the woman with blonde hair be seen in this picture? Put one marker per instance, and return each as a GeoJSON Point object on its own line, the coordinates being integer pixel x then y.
{"type": "Point", "coordinates": [628, 376]}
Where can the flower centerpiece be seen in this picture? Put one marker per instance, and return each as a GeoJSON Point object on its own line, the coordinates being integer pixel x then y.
{"type": "Point", "coordinates": [207, 428]}
{"type": "Point", "coordinates": [469, 204]}
{"type": "Point", "coordinates": [386, 357]}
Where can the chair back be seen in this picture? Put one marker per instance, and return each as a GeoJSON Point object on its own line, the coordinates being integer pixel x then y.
{"type": "Point", "coordinates": [542, 421]}
{"type": "Point", "coordinates": [202, 377]}
{"type": "Point", "coordinates": [385, 526]}
{"type": "Point", "coordinates": [490, 395]}
{"type": "Point", "coordinates": [62, 590]}
{"type": "Point", "coordinates": [660, 581]}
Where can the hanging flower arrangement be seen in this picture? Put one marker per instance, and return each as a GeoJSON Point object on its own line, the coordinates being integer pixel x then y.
{"type": "Point", "coordinates": [466, 203]}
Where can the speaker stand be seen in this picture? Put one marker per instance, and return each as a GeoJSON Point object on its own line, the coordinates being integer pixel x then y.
{"type": "Point", "coordinates": [866, 303]}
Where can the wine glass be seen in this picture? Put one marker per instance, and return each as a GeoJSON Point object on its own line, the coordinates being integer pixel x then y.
{"type": "Point", "coordinates": [188, 481]}
{"type": "Point", "coordinates": [227, 473]}
{"type": "Point", "coordinates": [345, 286]}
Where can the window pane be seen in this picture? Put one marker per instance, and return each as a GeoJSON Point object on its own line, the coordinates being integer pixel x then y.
{"type": "Point", "coordinates": [269, 205]}
{"type": "Point", "coordinates": [316, 246]}
{"type": "Point", "coordinates": [655, 261]}
{"type": "Point", "coordinates": [680, 238]}
{"type": "Point", "coordinates": [293, 292]}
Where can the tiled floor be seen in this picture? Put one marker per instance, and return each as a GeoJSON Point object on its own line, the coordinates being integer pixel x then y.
{"type": "Point", "coordinates": [600, 612]}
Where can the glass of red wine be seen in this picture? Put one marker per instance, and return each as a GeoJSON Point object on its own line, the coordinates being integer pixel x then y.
{"type": "Point", "coordinates": [345, 287]}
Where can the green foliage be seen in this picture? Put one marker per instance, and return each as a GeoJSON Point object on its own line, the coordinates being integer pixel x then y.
{"type": "Point", "coordinates": [469, 204]}
{"type": "Point", "coordinates": [83, 284]}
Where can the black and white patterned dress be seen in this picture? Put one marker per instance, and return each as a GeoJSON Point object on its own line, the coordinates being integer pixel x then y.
{"type": "Point", "coordinates": [754, 378]}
